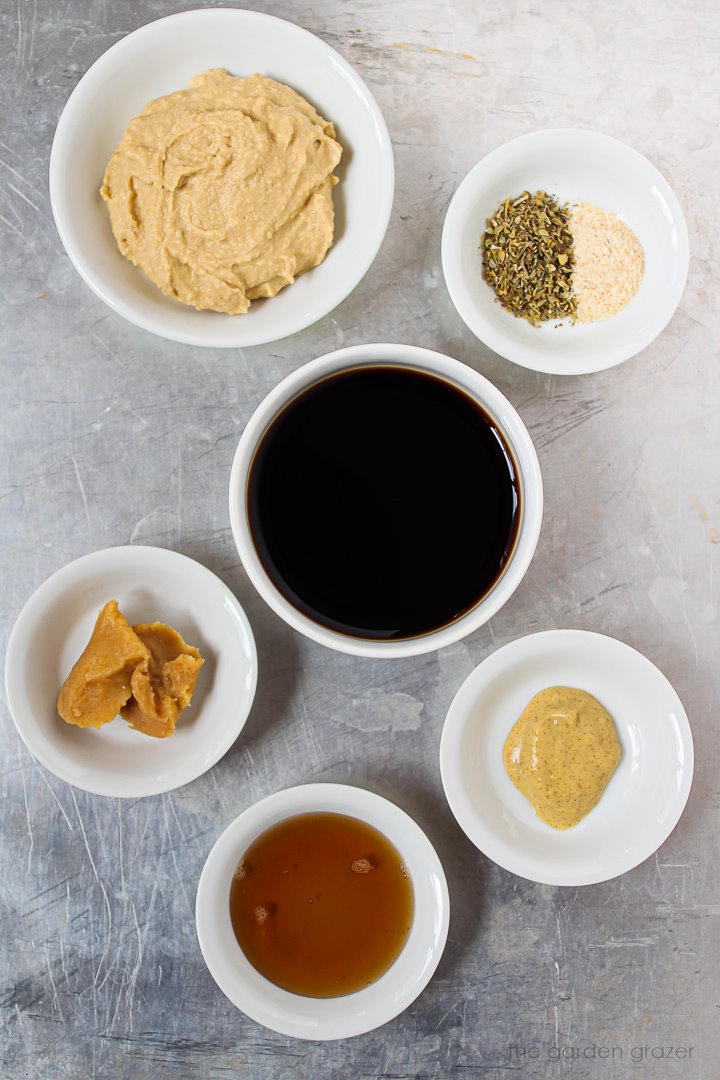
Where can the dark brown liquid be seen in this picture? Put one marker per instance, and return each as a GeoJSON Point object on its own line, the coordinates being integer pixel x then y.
{"type": "Point", "coordinates": [321, 904]}
{"type": "Point", "coordinates": [383, 502]}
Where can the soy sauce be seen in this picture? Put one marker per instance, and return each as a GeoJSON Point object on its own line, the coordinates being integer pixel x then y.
{"type": "Point", "coordinates": [383, 502]}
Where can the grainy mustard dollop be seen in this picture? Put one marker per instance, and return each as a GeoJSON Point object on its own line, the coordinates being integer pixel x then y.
{"type": "Point", "coordinates": [561, 754]}
{"type": "Point", "coordinates": [222, 193]}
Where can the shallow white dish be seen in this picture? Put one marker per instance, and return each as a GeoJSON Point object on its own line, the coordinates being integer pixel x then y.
{"type": "Point", "coordinates": [323, 1018]}
{"type": "Point", "coordinates": [53, 629]}
{"type": "Point", "coordinates": [645, 797]}
{"type": "Point", "coordinates": [495, 404]}
{"type": "Point", "coordinates": [162, 57]}
{"type": "Point", "coordinates": [574, 165]}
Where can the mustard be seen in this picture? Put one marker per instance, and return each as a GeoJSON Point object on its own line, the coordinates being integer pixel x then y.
{"type": "Point", "coordinates": [561, 754]}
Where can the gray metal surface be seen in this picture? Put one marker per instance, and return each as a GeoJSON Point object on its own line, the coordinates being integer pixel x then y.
{"type": "Point", "coordinates": [113, 436]}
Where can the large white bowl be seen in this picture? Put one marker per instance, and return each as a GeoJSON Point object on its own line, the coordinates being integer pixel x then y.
{"type": "Point", "coordinates": [162, 57]}
{"type": "Point", "coordinates": [495, 405]}
{"type": "Point", "coordinates": [645, 797]}
{"type": "Point", "coordinates": [54, 627]}
{"type": "Point", "coordinates": [575, 166]}
{"type": "Point", "coordinates": [323, 1018]}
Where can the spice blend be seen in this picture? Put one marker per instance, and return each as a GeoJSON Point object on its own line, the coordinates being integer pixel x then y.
{"type": "Point", "coordinates": [527, 252]}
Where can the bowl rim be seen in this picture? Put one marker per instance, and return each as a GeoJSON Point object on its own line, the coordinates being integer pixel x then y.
{"type": "Point", "coordinates": [323, 1018]}
{"type": "Point", "coordinates": [163, 327]}
{"type": "Point", "coordinates": [465, 198]}
{"type": "Point", "coordinates": [472, 382]}
{"type": "Point", "coordinates": [71, 575]}
{"type": "Point", "coordinates": [459, 715]}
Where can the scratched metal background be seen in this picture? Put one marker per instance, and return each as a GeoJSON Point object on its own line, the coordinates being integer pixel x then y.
{"type": "Point", "coordinates": [113, 436]}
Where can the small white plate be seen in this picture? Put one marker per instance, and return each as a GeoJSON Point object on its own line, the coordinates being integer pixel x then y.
{"type": "Point", "coordinates": [162, 57]}
{"type": "Point", "coordinates": [323, 1018]}
{"type": "Point", "coordinates": [575, 166]}
{"type": "Point", "coordinates": [55, 626]}
{"type": "Point", "coordinates": [645, 797]}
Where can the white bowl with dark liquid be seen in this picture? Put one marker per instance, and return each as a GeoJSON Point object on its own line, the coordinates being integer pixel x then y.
{"type": "Point", "coordinates": [385, 500]}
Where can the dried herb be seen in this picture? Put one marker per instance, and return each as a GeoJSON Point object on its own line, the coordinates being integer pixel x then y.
{"type": "Point", "coordinates": [528, 258]}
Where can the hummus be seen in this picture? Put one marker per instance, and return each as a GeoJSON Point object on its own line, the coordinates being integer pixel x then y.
{"type": "Point", "coordinates": [222, 193]}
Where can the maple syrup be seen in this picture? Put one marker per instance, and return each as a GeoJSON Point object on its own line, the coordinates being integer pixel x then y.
{"type": "Point", "coordinates": [321, 904]}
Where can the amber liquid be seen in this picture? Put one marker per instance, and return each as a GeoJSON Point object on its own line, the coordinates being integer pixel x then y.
{"type": "Point", "coordinates": [321, 904]}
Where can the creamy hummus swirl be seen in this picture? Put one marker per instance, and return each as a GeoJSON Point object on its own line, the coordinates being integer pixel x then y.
{"type": "Point", "coordinates": [222, 193]}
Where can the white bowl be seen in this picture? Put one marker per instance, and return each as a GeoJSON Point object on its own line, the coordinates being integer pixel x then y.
{"type": "Point", "coordinates": [53, 629]}
{"type": "Point", "coordinates": [493, 402]}
{"type": "Point", "coordinates": [575, 166]}
{"type": "Point", "coordinates": [645, 797]}
{"type": "Point", "coordinates": [323, 1018]}
{"type": "Point", "coordinates": [162, 57]}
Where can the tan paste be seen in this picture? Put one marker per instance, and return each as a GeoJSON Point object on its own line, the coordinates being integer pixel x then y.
{"type": "Point", "coordinates": [146, 672]}
{"type": "Point", "coordinates": [561, 754]}
{"type": "Point", "coordinates": [162, 686]}
{"type": "Point", "coordinates": [222, 193]}
{"type": "Point", "coordinates": [99, 683]}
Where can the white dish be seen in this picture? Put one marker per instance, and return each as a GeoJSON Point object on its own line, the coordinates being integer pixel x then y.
{"type": "Point", "coordinates": [496, 406]}
{"type": "Point", "coordinates": [160, 58]}
{"type": "Point", "coordinates": [645, 797]}
{"type": "Point", "coordinates": [53, 629]}
{"type": "Point", "coordinates": [573, 165]}
{"type": "Point", "coordinates": [323, 1018]}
